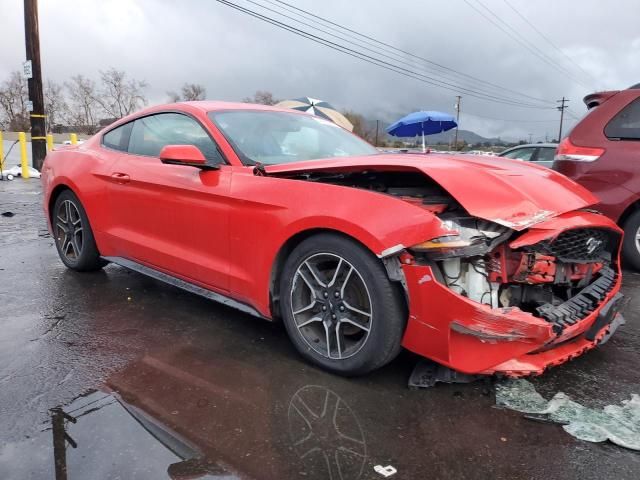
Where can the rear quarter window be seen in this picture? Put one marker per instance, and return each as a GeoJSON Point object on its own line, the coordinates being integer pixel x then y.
{"type": "Point", "coordinates": [626, 124]}
{"type": "Point", "coordinates": [118, 138]}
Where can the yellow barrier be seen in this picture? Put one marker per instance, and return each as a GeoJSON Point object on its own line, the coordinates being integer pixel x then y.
{"type": "Point", "coordinates": [74, 139]}
{"type": "Point", "coordinates": [22, 138]}
{"type": "Point", "coordinates": [49, 142]}
{"type": "Point", "coordinates": [1, 152]}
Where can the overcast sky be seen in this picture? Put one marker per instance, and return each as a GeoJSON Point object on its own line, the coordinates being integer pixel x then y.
{"type": "Point", "coordinates": [168, 43]}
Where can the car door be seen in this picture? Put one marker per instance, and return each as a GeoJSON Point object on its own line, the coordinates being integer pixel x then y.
{"type": "Point", "coordinates": [172, 217]}
{"type": "Point", "coordinates": [544, 156]}
{"type": "Point", "coordinates": [524, 153]}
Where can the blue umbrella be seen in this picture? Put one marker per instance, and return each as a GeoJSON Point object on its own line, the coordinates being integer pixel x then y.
{"type": "Point", "coordinates": [425, 123]}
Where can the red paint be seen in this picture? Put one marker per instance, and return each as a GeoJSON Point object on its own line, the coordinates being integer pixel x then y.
{"type": "Point", "coordinates": [188, 154]}
{"type": "Point", "coordinates": [223, 229]}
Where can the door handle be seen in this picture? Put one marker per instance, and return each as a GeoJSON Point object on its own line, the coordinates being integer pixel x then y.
{"type": "Point", "coordinates": [120, 177]}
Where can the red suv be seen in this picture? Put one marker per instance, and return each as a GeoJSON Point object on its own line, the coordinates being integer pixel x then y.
{"type": "Point", "coordinates": [602, 153]}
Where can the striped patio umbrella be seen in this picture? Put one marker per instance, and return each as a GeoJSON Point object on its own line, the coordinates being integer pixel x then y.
{"type": "Point", "coordinates": [317, 107]}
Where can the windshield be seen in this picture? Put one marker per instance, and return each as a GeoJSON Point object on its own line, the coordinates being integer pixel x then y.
{"type": "Point", "coordinates": [271, 138]}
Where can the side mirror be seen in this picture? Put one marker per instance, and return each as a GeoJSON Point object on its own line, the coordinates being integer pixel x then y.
{"type": "Point", "coordinates": [183, 155]}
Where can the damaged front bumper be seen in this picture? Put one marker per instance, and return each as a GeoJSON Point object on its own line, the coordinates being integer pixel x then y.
{"type": "Point", "coordinates": [475, 338]}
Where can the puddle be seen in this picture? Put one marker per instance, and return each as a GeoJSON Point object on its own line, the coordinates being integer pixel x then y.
{"type": "Point", "coordinates": [99, 436]}
{"type": "Point", "coordinates": [620, 424]}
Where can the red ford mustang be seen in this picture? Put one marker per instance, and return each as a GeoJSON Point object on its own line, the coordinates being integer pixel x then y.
{"type": "Point", "coordinates": [483, 265]}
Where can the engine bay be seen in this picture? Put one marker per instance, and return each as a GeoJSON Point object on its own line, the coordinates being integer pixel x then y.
{"type": "Point", "coordinates": [571, 272]}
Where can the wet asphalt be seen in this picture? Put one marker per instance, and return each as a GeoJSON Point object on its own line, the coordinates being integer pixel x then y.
{"type": "Point", "coordinates": [158, 383]}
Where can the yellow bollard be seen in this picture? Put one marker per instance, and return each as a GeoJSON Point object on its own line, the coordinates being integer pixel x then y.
{"type": "Point", "coordinates": [49, 142]}
{"type": "Point", "coordinates": [74, 139]}
{"type": "Point", "coordinates": [1, 152]}
{"type": "Point", "coordinates": [23, 154]}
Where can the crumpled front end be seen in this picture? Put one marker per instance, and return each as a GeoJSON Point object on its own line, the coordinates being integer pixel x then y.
{"type": "Point", "coordinates": [494, 300]}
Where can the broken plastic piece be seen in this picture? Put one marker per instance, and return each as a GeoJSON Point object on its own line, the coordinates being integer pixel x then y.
{"type": "Point", "coordinates": [427, 373]}
{"type": "Point", "coordinates": [385, 471]}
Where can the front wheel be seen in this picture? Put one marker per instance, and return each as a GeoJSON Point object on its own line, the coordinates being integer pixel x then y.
{"type": "Point", "coordinates": [73, 235]}
{"type": "Point", "coordinates": [339, 307]}
{"type": "Point", "coordinates": [631, 242]}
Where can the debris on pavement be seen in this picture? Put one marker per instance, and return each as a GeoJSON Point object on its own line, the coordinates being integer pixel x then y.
{"type": "Point", "coordinates": [427, 373]}
{"type": "Point", "coordinates": [620, 424]}
{"type": "Point", "coordinates": [7, 214]}
{"type": "Point", "coordinates": [385, 471]}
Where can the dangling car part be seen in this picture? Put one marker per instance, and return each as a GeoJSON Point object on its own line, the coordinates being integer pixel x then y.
{"type": "Point", "coordinates": [485, 265]}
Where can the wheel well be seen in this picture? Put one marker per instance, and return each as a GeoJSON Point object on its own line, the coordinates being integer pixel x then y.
{"type": "Point", "coordinates": [635, 206]}
{"type": "Point", "coordinates": [54, 196]}
{"type": "Point", "coordinates": [281, 257]}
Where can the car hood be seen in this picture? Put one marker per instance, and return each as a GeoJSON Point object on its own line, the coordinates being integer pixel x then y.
{"type": "Point", "coordinates": [513, 193]}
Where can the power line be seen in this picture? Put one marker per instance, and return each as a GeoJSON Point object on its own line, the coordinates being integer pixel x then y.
{"type": "Point", "coordinates": [377, 61]}
{"type": "Point", "coordinates": [518, 38]}
{"type": "Point", "coordinates": [376, 49]}
{"type": "Point", "coordinates": [467, 89]}
{"type": "Point", "coordinates": [366, 39]}
{"type": "Point", "coordinates": [548, 40]}
{"type": "Point", "coordinates": [511, 120]}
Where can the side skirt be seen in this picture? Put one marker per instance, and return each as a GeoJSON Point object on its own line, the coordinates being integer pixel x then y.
{"type": "Point", "coordinates": [184, 285]}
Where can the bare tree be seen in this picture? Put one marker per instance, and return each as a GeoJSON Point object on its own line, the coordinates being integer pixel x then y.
{"type": "Point", "coordinates": [173, 96]}
{"type": "Point", "coordinates": [54, 103]}
{"type": "Point", "coordinates": [83, 108]}
{"type": "Point", "coordinates": [188, 92]}
{"type": "Point", "coordinates": [13, 102]}
{"type": "Point", "coordinates": [262, 97]}
{"type": "Point", "coordinates": [119, 96]}
{"type": "Point", "coordinates": [360, 126]}
{"type": "Point", "coordinates": [193, 91]}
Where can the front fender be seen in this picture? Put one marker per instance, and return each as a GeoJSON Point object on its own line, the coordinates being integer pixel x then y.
{"type": "Point", "coordinates": [269, 211]}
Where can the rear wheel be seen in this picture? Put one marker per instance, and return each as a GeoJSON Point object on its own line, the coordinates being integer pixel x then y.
{"type": "Point", "coordinates": [631, 242]}
{"type": "Point", "coordinates": [73, 235]}
{"type": "Point", "coordinates": [340, 309]}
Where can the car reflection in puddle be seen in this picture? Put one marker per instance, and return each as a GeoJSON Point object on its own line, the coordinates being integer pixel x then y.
{"type": "Point", "coordinates": [326, 433]}
{"type": "Point", "coordinates": [154, 420]}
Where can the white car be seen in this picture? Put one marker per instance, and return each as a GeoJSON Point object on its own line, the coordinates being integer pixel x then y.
{"type": "Point", "coordinates": [16, 171]}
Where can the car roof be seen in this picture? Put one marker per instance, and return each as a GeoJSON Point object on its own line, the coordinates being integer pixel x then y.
{"type": "Point", "coordinates": [547, 145]}
{"type": "Point", "coordinates": [211, 105]}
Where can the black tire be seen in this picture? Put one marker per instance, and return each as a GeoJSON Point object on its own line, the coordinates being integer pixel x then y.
{"type": "Point", "coordinates": [370, 284]}
{"type": "Point", "coordinates": [630, 246]}
{"type": "Point", "coordinates": [77, 251]}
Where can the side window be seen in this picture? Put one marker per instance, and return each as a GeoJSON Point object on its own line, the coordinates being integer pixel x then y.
{"type": "Point", "coordinates": [626, 124]}
{"type": "Point", "coordinates": [546, 154]}
{"type": "Point", "coordinates": [521, 154]}
{"type": "Point", "coordinates": [118, 138]}
{"type": "Point", "coordinates": [150, 134]}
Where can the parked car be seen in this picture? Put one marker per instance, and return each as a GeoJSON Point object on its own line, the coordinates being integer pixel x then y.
{"type": "Point", "coordinates": [539, 153]}
{"type": "Point", "coordinates": [484, 264]}
{"type": "Point", "coordinates": [602, 153]}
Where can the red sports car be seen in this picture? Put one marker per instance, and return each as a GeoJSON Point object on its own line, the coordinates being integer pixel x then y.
{"type": "Point", "coordinates": [485, 265]}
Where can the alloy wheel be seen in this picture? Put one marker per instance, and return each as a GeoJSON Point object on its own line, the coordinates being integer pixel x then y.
{"type": "Point", "coordinates": [69, 231]}
{"type": "Point", "coordinates": [331, 306]}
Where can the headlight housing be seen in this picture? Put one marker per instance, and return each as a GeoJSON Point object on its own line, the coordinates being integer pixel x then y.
{"type": "Point", "coordinates": [475, 237]}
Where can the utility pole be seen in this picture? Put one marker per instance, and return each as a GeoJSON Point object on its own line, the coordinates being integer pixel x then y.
{"type": "Point", "coordinates": [32, 43]}
{"type": "Point", "coordinates": [530, 137]}
{"type": "Point", "coordinates": [377, 125]}
{"type": "Point", "coordinates": [455, 142]}
{"type": "Point", "coordinates": [561, 108]}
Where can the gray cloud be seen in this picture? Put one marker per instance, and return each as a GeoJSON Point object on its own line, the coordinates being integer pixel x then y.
{"type": "Point", "coordinates": [170, 42]}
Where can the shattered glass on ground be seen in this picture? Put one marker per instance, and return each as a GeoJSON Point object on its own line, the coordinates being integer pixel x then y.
{"type": "Point", "coordinates": [619, 424]}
